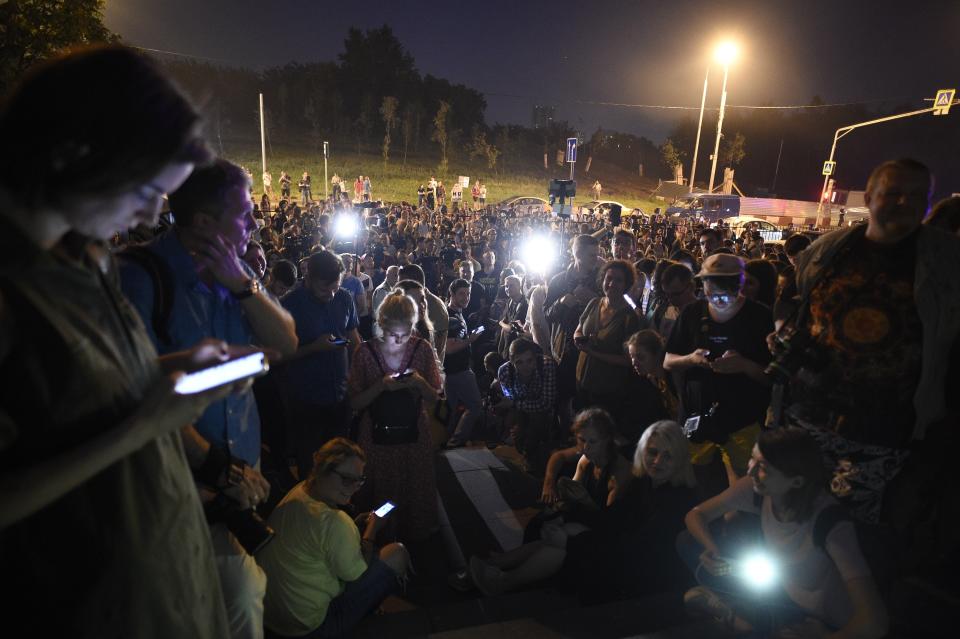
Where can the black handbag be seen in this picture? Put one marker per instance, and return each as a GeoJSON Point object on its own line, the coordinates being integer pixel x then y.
{"type": "Point", "coordinates": [395, 414]}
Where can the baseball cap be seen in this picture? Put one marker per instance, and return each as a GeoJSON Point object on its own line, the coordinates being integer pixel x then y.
{"type": "Point", "coordinates": [720, 265]}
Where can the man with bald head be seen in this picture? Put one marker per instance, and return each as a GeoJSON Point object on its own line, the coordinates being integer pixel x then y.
{"type": "Point", "coordinates": [381, 292]}
{"type": "Point", "coordinates": [879, 303]}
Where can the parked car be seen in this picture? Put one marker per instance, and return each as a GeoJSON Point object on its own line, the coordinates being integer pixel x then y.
{"type": "Point", "coordinates": [516, 201]}
{"type": "Point", "coordinates": [768, 231]}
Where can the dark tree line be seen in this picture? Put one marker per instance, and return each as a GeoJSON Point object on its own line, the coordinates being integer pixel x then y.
{"type": "Point", "coordinates": [343, 101]}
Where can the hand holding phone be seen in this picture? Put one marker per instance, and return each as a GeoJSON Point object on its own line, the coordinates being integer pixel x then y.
{"type": "Point", "coordinates": [339, 341]}
{"type": "Point", "coordinates": [252, 365]}
{"type": "Point", "coordinates": [405, 374]}
{"type": "Point", "coordinates": [385, 509]}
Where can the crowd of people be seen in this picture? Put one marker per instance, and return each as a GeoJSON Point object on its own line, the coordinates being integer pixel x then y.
{"type": "Point", "coordinates": [682, 391]}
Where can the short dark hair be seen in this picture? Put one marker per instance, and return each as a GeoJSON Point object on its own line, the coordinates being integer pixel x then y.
{"type": "Point", "coordinates": [94, 122]}
{"type": "Point", "coordinates": [676, 272]}
{"type": "Point", "coordinates": [324, 266]}
{"type": "Point", "coordinates": [649, 340]}
{"type": "Point", "coordinates": [412, 272]}
{"type": "Point", "coordinates": [711, 232]}
{"type": "Point", "coordinates": [204, 191]}
{"type": "Point", "coordinates": [523, 345]}
{"type": "Point", "coordinates": [795, 453]}
{"type": "Point", "coordinates": [625, 267]}
{"type": "Point", "coordinates": [903, 164]}
{"type": "Point", "coordinates": [625, 236]}
{"type": "Point", "coordinates": [646, 266]}
{"type": "Point", "coordinates": [795, 243]}
{"type": "Point", "coordinates": [284, 272]}
{"type": "Point", "coordinates": [456, 285]}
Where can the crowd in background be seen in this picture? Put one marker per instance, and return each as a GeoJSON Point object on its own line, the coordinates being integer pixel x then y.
{"type": "Point", "coordinates": [677, 387]}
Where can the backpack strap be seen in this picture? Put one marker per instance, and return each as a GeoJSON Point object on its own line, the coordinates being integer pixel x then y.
{"type": "Point", "coordinates": [825, 522]}
{"type": "Point", "coordinates": [163, 287]}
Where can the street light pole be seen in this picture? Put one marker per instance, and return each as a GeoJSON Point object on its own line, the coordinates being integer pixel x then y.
{"type": "Point", "coordinates": [846, 130]}
{"type": "Point", "coordinates": [696, 147]}
{"type": "Point", "coordinates": [716, 146]}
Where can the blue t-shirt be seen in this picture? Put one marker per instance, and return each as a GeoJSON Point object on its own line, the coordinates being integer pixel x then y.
{"type": "Point", "coordinates": [319, 378]}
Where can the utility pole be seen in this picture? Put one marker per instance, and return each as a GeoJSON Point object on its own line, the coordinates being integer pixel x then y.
{"type": "Point", "coordinates": [696, 146]}
{"type": "Point", "coordinates": [845, 130]}
{"type": "Point", "coordinates": [326, 183]}
{"type": "Point", "coordinates": [716, 146]}
{"type": "Point", "coordinates": [263, 141]}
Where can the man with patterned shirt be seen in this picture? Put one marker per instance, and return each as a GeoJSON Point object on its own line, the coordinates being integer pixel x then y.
{"type": "Point", "coordinates": [528, 382]}
{"type": "Point", "coordinates": [879, 304]}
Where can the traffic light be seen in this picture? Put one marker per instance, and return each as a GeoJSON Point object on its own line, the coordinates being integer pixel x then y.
{"type": "Point", "coordinates": [828, 191]}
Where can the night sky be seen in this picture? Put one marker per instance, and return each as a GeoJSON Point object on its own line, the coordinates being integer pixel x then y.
{"type": "Point", "coordinates": [623, 51]}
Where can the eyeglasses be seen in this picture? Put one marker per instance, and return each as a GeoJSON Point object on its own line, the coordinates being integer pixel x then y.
{"type": "Point", "coordinates": [722, 298]}
{"type": "Point", "coordinates": [350, 480]}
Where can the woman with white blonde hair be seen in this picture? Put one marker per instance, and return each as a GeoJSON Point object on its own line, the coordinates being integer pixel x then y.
{"type": "Point", "coordinates": [633, 552]}
{"type": "Point", "coordinates": [662, 454]}
{"type": "Point", "coordinates": [393, 378]}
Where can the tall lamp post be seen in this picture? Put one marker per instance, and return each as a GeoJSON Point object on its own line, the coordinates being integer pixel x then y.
{"type": "Point", "coordinates": [725, 54]}
{"type": "Point", "coordinates": [696, 147]}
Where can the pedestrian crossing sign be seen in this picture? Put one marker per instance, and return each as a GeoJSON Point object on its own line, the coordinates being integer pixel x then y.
{"type": "Point", "coordinates": [943, 101]}
{"type": "Point", "coordinates": [828, 167]}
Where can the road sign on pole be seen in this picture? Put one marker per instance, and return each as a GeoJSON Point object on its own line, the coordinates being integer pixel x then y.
{"type": "Point", "coordinates": [943, 101]}
{"type": "Point", "coordinates": [571, 149]}
{"type": "Point", "coordinates": [828, 167]}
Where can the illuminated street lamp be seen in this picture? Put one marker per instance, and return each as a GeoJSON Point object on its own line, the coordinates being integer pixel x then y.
{"type": "Point", "coordinates": [696, 146]}
{"type": "Point", "coordinates": [724, 54]}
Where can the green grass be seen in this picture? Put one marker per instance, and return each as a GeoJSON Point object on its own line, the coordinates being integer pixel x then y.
{"type": "Point", "coordinates": [395, 182]}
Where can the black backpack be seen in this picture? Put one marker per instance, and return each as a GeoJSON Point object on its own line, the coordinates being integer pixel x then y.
{"type": "Point", "coordinates": [395, 414]}
{"type": "Point", "coordinates": [163, 287]}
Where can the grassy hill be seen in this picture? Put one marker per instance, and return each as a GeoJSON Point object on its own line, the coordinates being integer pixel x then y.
{"type": "Point", "coordinates": [395, 182]}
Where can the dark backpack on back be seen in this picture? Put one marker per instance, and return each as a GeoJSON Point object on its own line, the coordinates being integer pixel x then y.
{"type": "Point", "coordinates": [163, 287]}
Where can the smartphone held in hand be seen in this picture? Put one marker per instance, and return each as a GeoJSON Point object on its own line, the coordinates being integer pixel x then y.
{"type": "Point", "coordinates": [384, 510]}
{"type": "Point", "coordinates": [252, 365]}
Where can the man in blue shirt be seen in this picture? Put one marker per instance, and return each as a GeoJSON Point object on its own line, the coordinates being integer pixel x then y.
{"type": "Point", "coordinates": [207, 291]}
{"type": "Point", "coordinates": [315, 380]}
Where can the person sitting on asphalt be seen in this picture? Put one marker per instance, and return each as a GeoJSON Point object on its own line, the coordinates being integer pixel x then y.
{"type": "Point", "coordinates": [323, 575]}
{"type": "Point", "coordinates": [821, 571]}
{"type": "Point", "coordinates": [601, 477]}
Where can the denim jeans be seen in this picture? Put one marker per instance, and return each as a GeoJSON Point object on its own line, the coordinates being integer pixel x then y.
{"type": "Point", "coordinates": [358, 600]}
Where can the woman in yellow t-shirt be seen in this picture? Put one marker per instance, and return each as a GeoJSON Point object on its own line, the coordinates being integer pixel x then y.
{"type": "Point", "coordinates": [323, 576]}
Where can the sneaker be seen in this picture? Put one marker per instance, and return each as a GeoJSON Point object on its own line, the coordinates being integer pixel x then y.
{"type": "Point", "coordinates": [487, 578]}
{"type": "Point", "coordinates": [461, 581]}
{"type": "Point", "coordinates": [704, 602]}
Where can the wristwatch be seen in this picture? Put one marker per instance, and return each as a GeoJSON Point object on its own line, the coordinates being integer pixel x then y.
{"type": "Point", "coordinates": [252, 288]}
